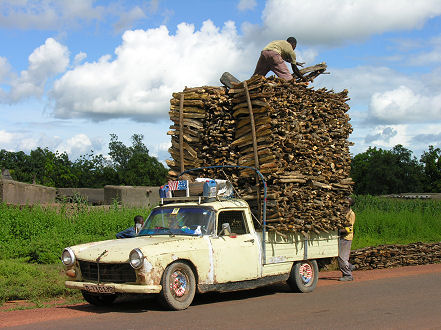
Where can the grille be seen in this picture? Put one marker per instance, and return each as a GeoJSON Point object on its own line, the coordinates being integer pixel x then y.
{"type": "Point", "coordinates": [116, 273]}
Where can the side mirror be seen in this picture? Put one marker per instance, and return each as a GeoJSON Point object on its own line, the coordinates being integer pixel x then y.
{"type": "Point", "coordinates": [226, 230]}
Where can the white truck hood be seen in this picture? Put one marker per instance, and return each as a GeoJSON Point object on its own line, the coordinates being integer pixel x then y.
{"type": "Point", "coordinates": [117, 250]}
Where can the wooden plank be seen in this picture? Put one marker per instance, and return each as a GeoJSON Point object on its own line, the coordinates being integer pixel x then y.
{"type": "Point", "coordinates": [181, 132]}
{"type": "Point", "coordinates": [253, 133]}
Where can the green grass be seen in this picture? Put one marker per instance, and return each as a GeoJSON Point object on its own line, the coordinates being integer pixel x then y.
{"type": "Point", "coordinates": [39, 235]}
{"type": "Point", "coordinates": [33, 238]}
{"type": "Point", "coordinates": [391, 221]}
{"type": "Point", "coordinates": [36, 283]}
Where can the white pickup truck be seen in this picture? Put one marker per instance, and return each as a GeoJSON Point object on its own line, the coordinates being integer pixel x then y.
{"type": "Point", "coordinates": [193, 247]}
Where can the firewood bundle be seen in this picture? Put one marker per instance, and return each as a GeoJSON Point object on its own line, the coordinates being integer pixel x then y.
{"type": "Point", "coordinates": [205, 123]}
{"type": "Point", "coordinates": [302, 149]}
{"type": "Point", "coordinates": [387, 256]}
{"type": "Point", "coordinates": [296, 136]}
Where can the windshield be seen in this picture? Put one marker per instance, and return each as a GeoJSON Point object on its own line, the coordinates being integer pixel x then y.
{"type": "Point", "coordinates": [179, 221]}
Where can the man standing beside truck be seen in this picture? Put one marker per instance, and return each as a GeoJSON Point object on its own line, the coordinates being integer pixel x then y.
{"type": "Point", "coordinates": [344, 244]}
{"type": "Point", "coordinates": [273, 56]}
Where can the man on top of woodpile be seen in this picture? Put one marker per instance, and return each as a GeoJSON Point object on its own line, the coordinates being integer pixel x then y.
{"type": "Point", "coordinates": [273, 56]}
{"type": "Point", "coordinates": [344, 244]}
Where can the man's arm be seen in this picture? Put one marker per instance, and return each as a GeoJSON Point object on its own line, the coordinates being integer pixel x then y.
{"type": "Point", "coordinates": [126, 233]}
{"type": "Point", "coordinates": [296, 71]}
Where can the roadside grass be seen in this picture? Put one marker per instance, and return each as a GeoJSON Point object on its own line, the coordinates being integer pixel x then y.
{"type": "Point", "coordinates": [39, 234]}
{"type": "Point", "coordinates": [32, 282]}
{"type": "Point", "coordinates": [33, 238]}
{"type": "Point", "coordinates": [391, 221]}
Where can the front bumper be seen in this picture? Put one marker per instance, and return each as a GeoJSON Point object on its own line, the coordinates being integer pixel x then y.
{"type": "Point", "coordinates": [120, 288]}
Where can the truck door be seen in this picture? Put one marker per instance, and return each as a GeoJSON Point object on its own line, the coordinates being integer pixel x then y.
{"type": "Point", "coordinates": [236, 256]}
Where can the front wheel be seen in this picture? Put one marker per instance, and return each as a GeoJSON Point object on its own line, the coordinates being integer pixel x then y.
{"type": "Point", "coordinates": [303, 276]}
{"type": "Point", "coordinates": [99, 299]}
{"type": "Point", "coordinates": [178, 286]}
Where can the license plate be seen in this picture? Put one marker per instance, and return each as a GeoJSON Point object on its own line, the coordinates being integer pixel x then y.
{"type": "Point", "coordinates": [99, 288]}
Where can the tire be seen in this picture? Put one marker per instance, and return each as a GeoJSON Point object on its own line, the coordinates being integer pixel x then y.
{"type": "Point", "coordinates": [99, 299]}
{"type": "Point", "coordinates": [178, 286]}
{"type": "Point", "coordinates": [304, 276]}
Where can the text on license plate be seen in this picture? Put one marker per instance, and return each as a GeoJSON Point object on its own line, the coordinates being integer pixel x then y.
{"type": "Point", "coordinates": [98, 288]}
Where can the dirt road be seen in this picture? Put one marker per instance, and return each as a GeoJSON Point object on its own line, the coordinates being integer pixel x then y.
{"type": "Point", "coordinates": [400, 298]}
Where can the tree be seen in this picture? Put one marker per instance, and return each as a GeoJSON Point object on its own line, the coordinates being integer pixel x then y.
{"type": "Point", "coordinates": [52, 169]}
{"type": "Point", "coordinates": [379, 171]}
{"type": "Point", "coordinates": [432, 169]}
{"type": "Point", "coordinates": [134, 165]}
{"type": "Point", "coordinates": [94, 171]}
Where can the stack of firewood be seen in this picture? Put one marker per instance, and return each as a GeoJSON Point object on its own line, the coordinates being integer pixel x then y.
{"type": "Point", "coordinates": [387, 256]}
{"type": "Point", "coordinates": [303, 151]}
{"type": "Point", "coordinates": [207, 128]}
{"type": "Point", "coordinates": [300, 138]}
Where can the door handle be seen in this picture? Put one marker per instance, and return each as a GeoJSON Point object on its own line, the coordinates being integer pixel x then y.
{"type": "Point", "coordinates": [250, 240]}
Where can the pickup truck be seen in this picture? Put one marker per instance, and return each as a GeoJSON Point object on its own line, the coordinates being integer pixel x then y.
{"type": "Point", "coordinates": [189, 247]}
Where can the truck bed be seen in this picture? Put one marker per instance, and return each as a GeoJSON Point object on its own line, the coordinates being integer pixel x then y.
{"type": "Point", "coordinates": [282, 250]}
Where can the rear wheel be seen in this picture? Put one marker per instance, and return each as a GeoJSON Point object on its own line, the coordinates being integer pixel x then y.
{"type": "Point", "coordinates": [303, 276]}
{"type": "Point", "coordinates": [99, 299]}
{"type": "Point", "coordinates": [178, 286]}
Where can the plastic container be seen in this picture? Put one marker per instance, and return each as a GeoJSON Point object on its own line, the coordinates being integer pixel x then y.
{"type": "Point", "coordinates": [164, 192]}
{"type": "Point", "coordinates": [209, 189]}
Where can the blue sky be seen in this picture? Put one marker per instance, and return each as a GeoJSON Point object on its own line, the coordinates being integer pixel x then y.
{"type": "Point", "coordinates": [74, 72]}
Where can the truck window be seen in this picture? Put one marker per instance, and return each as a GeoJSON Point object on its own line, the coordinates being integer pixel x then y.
{"type": "Point", "coordinates": [236, 219]}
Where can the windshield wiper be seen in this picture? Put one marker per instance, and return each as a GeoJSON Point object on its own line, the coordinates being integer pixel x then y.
{"type": "Point", "coordinates": [169, 230]}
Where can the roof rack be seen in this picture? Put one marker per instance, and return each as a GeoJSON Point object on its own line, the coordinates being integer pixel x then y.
{"type": "Point", "coordinates": [182, 199]}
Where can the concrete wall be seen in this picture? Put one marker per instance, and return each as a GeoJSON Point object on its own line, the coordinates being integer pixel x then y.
{"type": "Point", "coordinates": [94, 196]}
{"type": "Point", "coordinates": [19, 193]}
{"type": "Point", "coordinates": [132, 196]}
{"type": "Point", "coordinates": [436, 196]}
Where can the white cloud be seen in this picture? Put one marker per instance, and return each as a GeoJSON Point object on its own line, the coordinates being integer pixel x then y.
{"type": "Point", "coordinates": [5, 69]}
{"type": "Point", "coordinates": [363, 81]}
{"type": "Point", "coordinates": [149, 66]}
{"type": "Point", "coordinates": [77, 145]}
{"type": "Point", "coordinates": [432, 56]}
{"type": "Point", "coordinates": [333, 22]}
{"type": "Point", "coordinates": [6, 137]}
{"type": "Point", "coordinates": [404, 105]}
{"type": "Point", "coordinates": [45, 62]}
{"type": "Point", "coordinates": [388, 136]}
{"type": "Point", "coordinates": [128, 18]}
{"type": "Point", "coordinates": [81, 56]}
{"type": "Point", "coordinates": [383, 135]}
{"type": "Point", "coordinates": [59, 15]}
{"type": "Point", "coordinates": [47, 14]}
{"type": "Point", "coordinates": [246, 5]}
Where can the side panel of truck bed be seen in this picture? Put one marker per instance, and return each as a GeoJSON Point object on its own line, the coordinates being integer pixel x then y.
{"type": "Point", "coordinates": [282, 250]}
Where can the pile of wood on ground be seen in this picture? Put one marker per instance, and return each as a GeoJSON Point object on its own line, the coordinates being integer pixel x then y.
{"type": "Point", "coordinates": [388, 256]}
{"type": "Point", "coordinates": [300, 144]}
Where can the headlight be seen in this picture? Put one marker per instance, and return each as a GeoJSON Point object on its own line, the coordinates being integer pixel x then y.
{"type": "Point", "coordinates": [136, 258]}
{"type": "Point", "coordinates": [68, 257]}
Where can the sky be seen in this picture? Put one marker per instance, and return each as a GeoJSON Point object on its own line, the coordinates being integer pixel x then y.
{"type": "Point", "coordinates": [74, 72]}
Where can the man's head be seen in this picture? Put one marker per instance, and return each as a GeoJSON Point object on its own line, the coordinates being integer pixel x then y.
{"type": "Point", "coordinates": [139, 219]}
{"type": "Point", "coordinates": [292, 41]}
{"type": "Point", "coordinates": [350, 201]}
{"type": "Point", "coordinates": [139, 222]}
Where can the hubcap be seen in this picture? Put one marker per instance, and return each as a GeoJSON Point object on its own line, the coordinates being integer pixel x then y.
{"type": "Point", "coordinates": [178, 284]}
{"type": "Point", "coordinates": [306, 273]}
